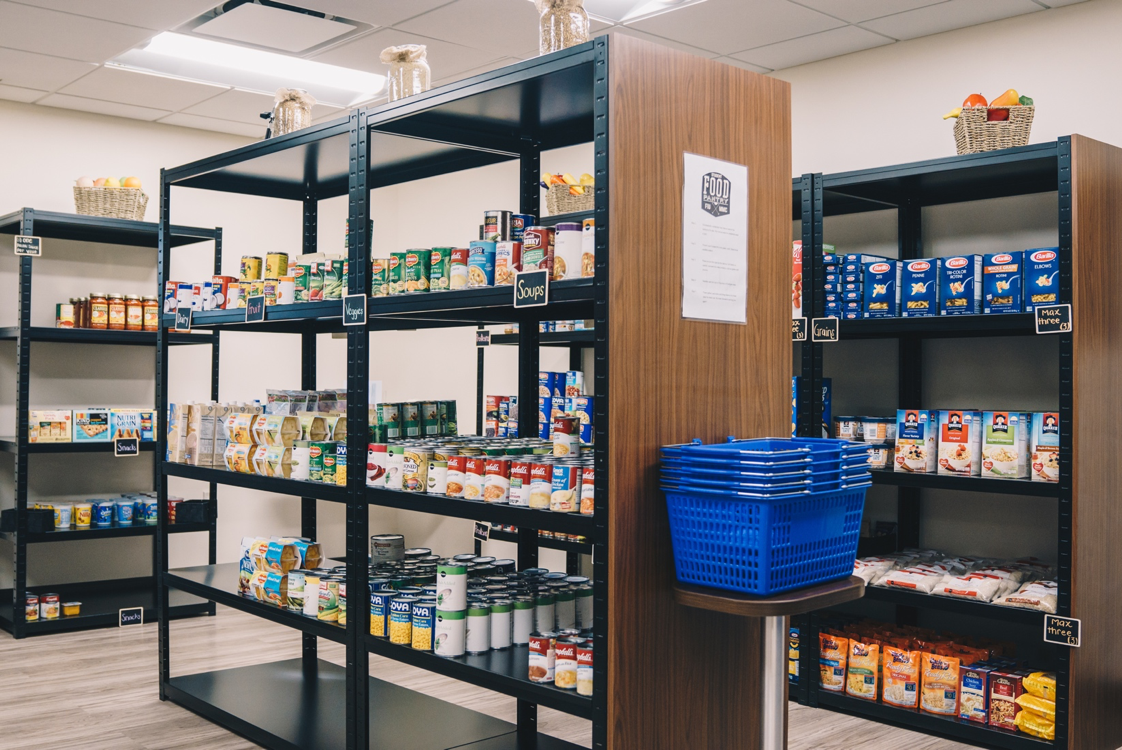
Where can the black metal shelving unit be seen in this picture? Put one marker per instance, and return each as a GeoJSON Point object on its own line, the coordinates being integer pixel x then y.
{"type": "Point", "coordinates": [491, 118]}
{"type": "Point", "coordinates": [907, 189]}
{"type": "Point", "coordinates": [101, 600]}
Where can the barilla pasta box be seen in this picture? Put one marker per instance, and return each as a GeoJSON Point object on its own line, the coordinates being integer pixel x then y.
{"type": "Point", "coordinates": [960, 290]}
{"type": "Point", "coordinates": [882, 289]}
{"type": "Point", "coordinates": [960, 443]}
{"type": "Point", "coordinates": [1001, 282]}
{"type": "Point", "coordinates": [1042, 277]}
{"type": "Point", "coordinates": [854, 263]}
{"type": "Point", "coordinates": [1005, 444]}
{"type": "Point", "coordinates": [919, 288]}
{"type": "Point", "coordinates": [915, 441]}
{"type": "Point", "coordinates": [1045, 447]}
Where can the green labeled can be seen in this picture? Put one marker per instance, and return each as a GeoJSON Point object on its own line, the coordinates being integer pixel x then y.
{"type": "Point", "coordinates": [430, 419]}
{"type": "Point", "coordinates": [333, 279]}
{"type": "Point", "coordinates": [378, 433]}
{"type": "Point", "coordinates": [330, 463]}
{"type": "Point", "coordinates": [314, 281]}
{"type": "Point", "coordinates": [300, 275]}
{"type": "Point", "coordinates": [397, 272]}
{"type": "Point", "coordinates": [391, 418]}
{"type": "Point", "coordinates": [315, 461]}
{"type": "Point", "coordinates": [379, 277]}
{"type": "Point", "coordinates": [417, 263]}
{"type": "Point", "coordinates": [448, 418]}
{"type": "Point", "coordinates": [440, 269]}
{"type": "Point", "coordinates": [411, 420]}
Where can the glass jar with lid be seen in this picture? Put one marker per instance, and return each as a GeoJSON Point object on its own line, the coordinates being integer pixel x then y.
{"type": "Point", "coordinates": [563, 23]}
{"type": "Point", "coordinates": [134, 313]}
{"type": "Point", "coordinates": [409, 71]}
{"type": "Point", "coordinates": [292, 110]}
{"type": "Point", "coordinates": [151, 314]}
{"type": "Point", "coordinates": [99, 310]}
{"type": "Point", "coordinates": [117, 312]}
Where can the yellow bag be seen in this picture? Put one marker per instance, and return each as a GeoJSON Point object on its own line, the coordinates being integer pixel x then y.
{"type": "Point", "coordinates": [1036, 725]}
{"type": "Point", "coordinates": [863, 670]}
{"type": "Point", "coordinates": [1037, 705]}
{"type": "Point", "coordinates": [1041, 684]}
{"type": "Point", "coordinates": [831, 662]}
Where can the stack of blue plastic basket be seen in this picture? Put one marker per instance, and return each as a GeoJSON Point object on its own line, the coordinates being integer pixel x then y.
{"type": "Point", "coordinates": [767, 515]}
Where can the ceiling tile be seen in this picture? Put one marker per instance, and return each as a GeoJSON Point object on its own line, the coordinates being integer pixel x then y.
{"type": "Point", "coordinates": [159, 15]}
{"type": "Point", "coordinates": [1059, 3]}
{"type": "Point", "coordinates": [211, 123]}
{"type": "Point", "coordinates": [39, 71]}
{"type": "Point", "coordinates": [727, 26]}
{"type": "Point", "coordinates": [628, 31]}
{"type": "Point", "coordinates": [741, 64]}
{"type": "Point", "coordinates": [102, 108]}
{"type": "Point", "coordinates": [62, 35]}
{"type": "Point", "coordinates": [141, 89]}
{"type": "Point", "coordinates": [953, 14]}
{"type": "Point", "coordinates": [239, 106]}
{"type": "Point", "coordinates": [17, 94]}
{"type": "Point", "coordinates": [275, 28]}
{"type": "Point", "coordinates": [855, 11]}
{"type": "Point", "coordinates": [445, 59]}
{"type": "Point", "coordinates": [494, 25]}
{"type": "Point", "coordinates": [377, 12]}
{"type": "Point", "coordinates": [832, 43]}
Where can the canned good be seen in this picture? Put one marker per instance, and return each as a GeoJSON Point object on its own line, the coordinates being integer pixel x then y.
{"type": "Point", "coordinates": [424, 613]}
{"type": "Point", "coordinates": [417, 269]}
{"type": "Point", "coordinates": [437, 480]}
{"type": "Point", "coordinates": [584, 606]}
{"type": "Point", "coordinates": [567, 251]}
{"type": "Point", "coordinates": [450, 632]}
{"type": "Point", "coordinates": [311, 595]}
{"type": "Point", "coordinates": [565, 663]}
{"type": "Point", "coordinates": [49, 607]}
{"type": "Point", "coordinates": [457, 465]}
{"type": "Point", "coordinates": [496, 226]}
{"type": "Point", "coordinates": [317, 450]}
{"type": "Point", "coordinates": [430, 419]}
{"type": "Point", "coordinates": [379, 277]}
{"type": "Point", "coordinates": [296, 583]}
{"type": "Point", "coordinates": [564, 494]}
{"type": "Point", "coordinates": [342, 620]}
{"type": "Point", "coordinates": [387, 548]}
{"type": "Point", "coordinates": [235, 297]}
{"type": "Point", "coordinates": [566, 436]}
{"type": "Point", "coordinates": [250, 268]}
{"type": "Point", "coordinates": [541, 484]}
{"type": "Point", "coordinates": [458, 268]}
{"type": "Point", "coordinates": [588, 248]}
{"type": "Point", "coordinates": [276, 265]}
{"type": "Point", "coordinates": [481, 264]}
{"type": "Point", "coordinates": [518, 225]}
{"type": "Point", "coordinates": [565, 609]}
{"type": "Point", "coordinates": [451, 585]}
{"type": "Point", "coordinates": [520, 481]}
{"type": "Point", "coordinates": [379, 611]}
{"type": "Point", "coordinates": [328, 598]}
{"type": "Point", "coordinates": [496, 481]}
{"type": "Point", "coordinates": [537, 249]}
{"type": "Point", "coordinates": [478, 637]}
{"type": "Point", "coordinates": [256, 288]}
{"type": "Point", "coordinates": [543, 656]}
{"type": "Point", "coordinates": [341, 464]}
{"type": "Point", "coordinates": [545, 607]}
{"type": "Point", "coordinates": [395, 466]}
{"type": "Point", "coordinates": [473, 477]}
{"type": "Point", "coordinates": [286, 290]}
{"type": "Point", "coordinates": [584, 668]}
{"type": "Point", "coordinates": [508, 262]}
{"type": "Point", "coordinates": [440, 269]}
{"type": "Point", "coordinates": [31, 608]}
{"type": "Point", "coordinates": [414, 474]}
{"type": "Point", "coordinates": [522, 620]}
{"type": "Point", "coordinates": [588, 490]}
{"type": "Point", "coordinates": [411, 419]}
{"type": "Point", "coordinates": [64, 315]}
{"type": "Point", "coordinates": [501, 624]}
{"type": "Point", "coordinates": [401, 619]}
{"type": "Point", "coordinates": [330, 461]}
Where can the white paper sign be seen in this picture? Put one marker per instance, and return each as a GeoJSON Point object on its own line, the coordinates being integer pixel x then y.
{"type": "Point", "coordinates": [714, 240]}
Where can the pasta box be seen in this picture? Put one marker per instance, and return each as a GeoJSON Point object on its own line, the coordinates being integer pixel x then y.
{"type": "Point", "coordinates": [973, 694]}
{"type": "Point", "coordinates": [91, 425]}
{"type": "Point", "coordinates": [1005, 447]}
{"type": "Point", "coordinates": [882, 289]}
{"type": "Point", "coordinates": [960, 443]}
{"type": "Point", "coordinates": [1042, 277]}
{"type": "Point", "coordinates": [959, 290]}
{"type": "Point", "coordinates": [854, 263]}
{"type": "Point", "coordinates": [1001, 282]}
{"type": "Point", "coordinates": [915, 441]}
{"type": "Point", "coordinates": [919, 288]}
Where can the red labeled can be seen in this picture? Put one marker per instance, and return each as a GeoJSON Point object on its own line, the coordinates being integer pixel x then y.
{"type": "Point", "coordinates": [457, 475]}
{"type": "Point", "coordinates": [543, 656]}
{"type": "Point", "coordinates": [473, 478]}
{"type": "Point", "coordinates": [566, 436]}
{"type": "Point", "coordinates": [519, 481]}
{"type": "Point", "coordinates": [31, 608]}
{"type": "Point", "coordinates": [584, 668]}
{"type": "Point", "coordinates": [172, 505]}
{"type": "Point", "coordinates": [49, 607]}
{"type": "Point", "coordinates": [220, 290]}
{"type": "Point", "coordinates": [588, 490]}
{"type": "Point", "coordinates": [537, 249]}
{"type": "Point", "coordinates": [541, 478]}
{"type": "Point", "coordinates": [565, 663]}
{"type": "Point", "coordinates": [496, 480]}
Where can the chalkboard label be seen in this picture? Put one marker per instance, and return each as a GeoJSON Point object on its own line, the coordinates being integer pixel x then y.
{"type": "Point", "coordinates": [32, 246]}
{"type": "Point", "coordinates": [183, 319]}
{"type": "Point", "coordinates": [1061, 630]}
{"type": "Point", "coordinates": [1053, 319]}
{"type": "Point", "coordinates": [824, 330]}
{"type": "Point", "coordinates": [531, 288]}
{"type": "Point", "coordinates": [482, 338]}
{"type": "Point", "coordinates": [354, 310]}
{"type": "Point", "coordinates": [482, 531]}
{"type": "Point", "coordinates": [255, 309]}
{"type": "Point", "coordinates": [130, 616]}
{"type": "Point", "coordinates": [126, 447]}
{"type": "Point", "coordinates": [798, 329]}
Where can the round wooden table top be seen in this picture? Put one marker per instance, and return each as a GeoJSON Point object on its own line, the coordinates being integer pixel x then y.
{"type": "Point", "coordinates": [794, 602]}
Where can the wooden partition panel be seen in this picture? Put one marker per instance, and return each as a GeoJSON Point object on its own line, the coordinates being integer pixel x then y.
{"type": "Point", "coordinates": [1096, 670]}
{"type": "Point", "coordinates": [685, 678]}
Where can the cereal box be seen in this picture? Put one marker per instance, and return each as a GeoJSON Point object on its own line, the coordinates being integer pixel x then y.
{"type": "Point", "coordinates": [960, 289]}
{"type": "Point", "coordinates": [919, 288]}
{"type": "Point", "coordinates": [91, 425]}
{"type": "Point", "coordinates": [915, 441]}
{"type": "Point", "coordinates": [49, 426]}
{"type": "Point", "coordinates": [1005, 445]}
{"type": "Point", "coordinates": [960, 443]}
{"type": "Point", "coordinates": [882, 289]}
{"type": "Point", "coordinates": [973, 693]}
{"type": "Point", "coordinates": [1005, 689]}
{"type": "Point", "coordinates": [1045, 447]}
{"type": "Point", "coordinates": [1001, 284]}
{"type": "Point", "coordinates": [1042, 277]}
{"type": "Point", "coordinates": [797, 280]}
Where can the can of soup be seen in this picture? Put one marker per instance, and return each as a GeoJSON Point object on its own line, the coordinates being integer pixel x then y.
{"type": "Point", "coordinates": [520, 481]}
{"type": "Point", "coordinates": [543, 656]}
{"type": "Point", "coordinates": [588, 490]}
{"type": "Point", "coordinates": [584, 668]}
{"type": "Point", "coordinates": [473, 477]}
{"type": "Point", "coordinates": [437, 481]}
{"type": "Point", "coordinates": [457, 465]}
{"type": "Point", "coordinates": [519, 224]}
{"type": "Point", "coordinates": [395, 466]}
{"type": "Point", "coordinates": [450, 632]}
{"type": "Point", "coordinates": [496, 480]}
{"type": "Point", "coordinates": [541, 483]}
{"type": "Point", "coordinates": [478, 638]}
{"type": "Point", "coordinates": [414, 473]}
{"type": "Point", "coordinates": [537, 249]}
{"type": "Point", "coordinates": [31, 608]}
{"type": "Point", "coordinates": [49, 607]}
{"type": "Point", "coordinates": [565, 663]}
{"type": "Point", "coordinates": [566, 436]}
{"type": "Point", "coordinates": [496, 226]}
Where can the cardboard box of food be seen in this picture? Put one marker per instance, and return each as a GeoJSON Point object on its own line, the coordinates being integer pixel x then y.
{"type": "Point", "coordinates": [49, 426]}
{"type": "Point", "coordinates": [126, 423]}
{"type": "Point", "coordinates": [91, 425]}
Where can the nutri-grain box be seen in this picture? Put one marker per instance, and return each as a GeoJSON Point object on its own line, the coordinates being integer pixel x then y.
{"type": "Point", "coordinates": [919, 288]}
{"type": "Point", "coordinates": [1045, 447]}
{"type": "Point", "coordinates": [882, 289]}
{"type": "Point", "coordinates": [1001, 285]}
{"type": "Point", "coordinates": [915, 441]}
{"type": "Point", "coordinates": [960, 443]}
{"type": "Point", "coordinates": [1005, 444]}
{"type": "Point", "coordinates": [960, 289]}
{"type": "Point", "coordinates": [1042, 277]}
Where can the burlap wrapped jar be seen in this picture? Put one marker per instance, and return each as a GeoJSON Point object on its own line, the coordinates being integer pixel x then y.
{"type": "Point", "coordinates": [409, 72]}
{"type": "Point", "coordinates": [564, 23]}
{"type": "Point", "coordinates": [292, 110]}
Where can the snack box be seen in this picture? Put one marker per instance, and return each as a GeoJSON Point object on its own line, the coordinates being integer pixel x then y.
{"type": "Point", "coordinates": [882, 289]}
{"type": "Point", "coordinates": [1005, 444]}
{"type": "Point", "coordinates": [1005, 688]}
{"type": "Point", "coordinates": [1041, 278]}
{"type": "Point", "coordinates": [124, 423]}
{"type": "Point", "coordinates": [1045, 446]}
{"type": "Point", "coordinates": [1002, 291]}
{"type": "Point", "coordinates": [960, 443]}
{"type": "Point", "coordinates": [973, 694]}
{"type": "Point", "coordinates": [960, 290]}
{"type": "Point", "coordinates": [919, 288]}
{"type": "Point", "coordinates": [91, 425]}
{"type": "Point", "coordinates": [49, 426]}
{"type": "Point", "coordinates": [915, 441]}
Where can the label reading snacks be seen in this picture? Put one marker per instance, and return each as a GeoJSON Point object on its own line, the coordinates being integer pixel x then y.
{"type": "Point", "coordinates": [1053, 319]}
{"type": "Point", "coordinates": [798, 329]}
{"type": "Point", "coordinates": [126, 447]}
{"type": "Point", "coordinates": [531, 288]}
{"type": "Point", "coordinates": [824, 330]}
{"type": "Point", "coordinates": [1062, 630]}
{"type": "Point", "coordinates": [130, 616]}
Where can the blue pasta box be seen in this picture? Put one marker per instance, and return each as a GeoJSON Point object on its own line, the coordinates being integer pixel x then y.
{"type": "Point", "coordinates": [831, 287]}
{"type": "Point", "coordinates": [851, 296]}
{"type": "Point", "coordinates": [545, 416]}
{"type": "Point", "coordinates": [833, 310]}
{"type": "Point", "coordinates": [855, 263]}
{"type": "Point", "coordinates": [853, 277]}
{"type": "Point", "coordinates": [829, 254]}
{"type": "Point", "coordinates": [852, 286]}
{"type": "Point", "coordinates": [1001, 282]}
{"type": "Point", "coordinates": [919, 288]}
{"type": "Point", "coordinates": [882, 289]}
{"type": "Point", "coordinates": [831, 268]}
{"type": "Point", "coordinates": [852, 315]}
{"type": "Point", "coordinates": [831, 278]}
{"type": "Point", "coordinates": [852, 306]}
{"type": "Point", "coordinates": [1042, 277]}
{"type": "Point", "coordinates": [960, 288]}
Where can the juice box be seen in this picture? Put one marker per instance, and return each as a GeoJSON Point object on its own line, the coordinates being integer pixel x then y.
{"type": "Point", "coordinates": [1001, 285]}
{"type": "Point", "coordinates": [1042, 278]}
{"type": "Point", "coordinates": [379, 278]}
{"type": "Point", "coordinates": [1045, 446]}
{"type": "Point", "coordinates": [91, 425]}
{"type": "Point", "coordinates": [915, 441]}
{"type": "Point", "coordinates": [960, 443]}
{"type": "Point", "coordinates": [919, 288]}
{"type": "Point", "coordinates": [397, 272]}
{"type": "Point", "coordinates": [416, 274]}
{"type": "Point", "coordinates": [440, 269]}
{"type": "Point", "coordinates": [882, 289]}
{"type": "Point", "coordinates": [960, 289]}
{"type": "Point", "coordinates": [1005, 444]}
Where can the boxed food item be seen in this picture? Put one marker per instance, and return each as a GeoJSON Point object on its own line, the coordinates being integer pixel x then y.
{"type": "Point", "coordinates": [855, 262]}
{"type": "Point", "coordinates": [200, 425]}
{"type": "Point", "coordinates": [797, 280]}
{"type": "Point", "coordinates": [882, 289]}
{"type": "Point", "coordinates": [960, 443]}
{"type": "Point", "coordinates": [1001, 285]}
{"type": "Point", "coordinates": [1045, 447]}
{"type": "Point", "coordinates": [940, 678]}
{"type": "Point", "coordinates": [919, 288]}
{"type": "Point", "coordinates": [1042, 277]}
{"type": "Point", "coordinates": [973, 698]}
{"type": "Point", "coordinates": [49, 426]}
{"type": "Point", "coordinates": [1005, 444]}
{"type": "Point", "coordinates": [915, 441]}
{"type": "Point", "coordinates": [137, 423]}
{"type": "Point", "coordinates": [960, 288]}
{"type": "Point", "coordinates": [91, 425]}
{"type": "Point", "coordinates": [1005, 688]}
{"type": "Point", "coordinates": [177, 433]}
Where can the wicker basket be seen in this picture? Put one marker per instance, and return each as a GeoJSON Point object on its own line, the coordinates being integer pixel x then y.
{"type": "Point", "coordinates": [973, 134]}
{"type": "Point", "coordinates": [112, 203]}
{"type": "Point", "coordinates": [560, 201]}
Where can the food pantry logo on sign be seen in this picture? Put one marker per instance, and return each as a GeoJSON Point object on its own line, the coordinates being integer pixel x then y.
{"type": "Point", "coordinates": [716, 194]}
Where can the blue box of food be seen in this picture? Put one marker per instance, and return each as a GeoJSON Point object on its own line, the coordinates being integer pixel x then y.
{"type": "Point", "coordinates": [831, 267]}
{"type": "Point", "coordinates": [853, 296]}
{"type": "Point", "coordinates": [919, 288]}
{"type": "Point", "coordinates": [1002, 291]}
{"type": "Point", "coordinates": [882, 289]}
{"type": "Point", "coordinates": [960, 287]}
{"type": "Point", "coordinates": [1042, 277]}
{"type": "Point", "coordinates": [831, 278]}
{"type": "Point", "coordinates": [548, 385]}
{"type": "Point", "coordinates": [852, 286]}
{"type": "Point", "coordinates": [856, 266]}
{"type": "Point", "coordinates": [545, 416]}
{"type": "Point", "coordinates": [582, 406]}
{"type": "Point", "coordinates": [852, 315]}
{"type": "Point", "coordinates": [852, 277]}
{"type": "Point", "coordinates": [831, 287]}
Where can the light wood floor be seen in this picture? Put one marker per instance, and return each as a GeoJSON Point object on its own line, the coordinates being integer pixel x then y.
{"type": "Point", "coordinates": [97, 690]}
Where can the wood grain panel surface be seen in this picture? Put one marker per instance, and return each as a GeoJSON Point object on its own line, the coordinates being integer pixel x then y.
{"type": "Point", "coordinates": [680, 677]}
{"type": "Point", "coordinates": [786, 604]}
{"type": "Point", "coordinates": [1096, 671]}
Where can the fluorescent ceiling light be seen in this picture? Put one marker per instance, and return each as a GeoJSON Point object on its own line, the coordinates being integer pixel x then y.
{"type": "Point", "coordinates": [627, 11]}
{"type": "Point", "coordinates": [210, 61]}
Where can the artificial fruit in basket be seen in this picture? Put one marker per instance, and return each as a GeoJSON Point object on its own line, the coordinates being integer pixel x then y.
{"type": "Point", "coordinates": [997, 110]}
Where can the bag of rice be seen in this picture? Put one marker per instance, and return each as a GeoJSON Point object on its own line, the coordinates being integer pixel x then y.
{"type": "Point", "coordinates": [900, 681]}
{"type": "Point", "coordinates": [976, 586]}
{"type": "Point", "coordinates": [863, 670]}
{"type": "Point", "coordinates": [913, 578]}
{"type": "Point", "coordinates": [940, 679]}
{"type": "Point", "coordinates": [1038, 595]}
{"type": "Point", "coordinates": [832, 651]}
